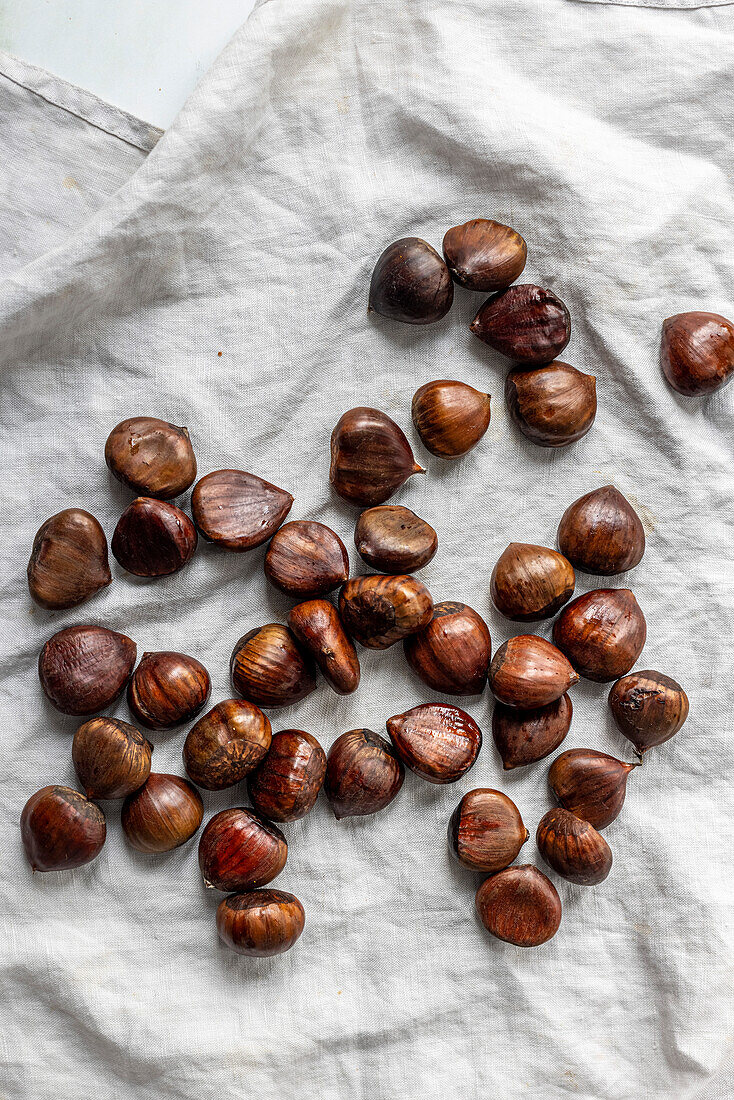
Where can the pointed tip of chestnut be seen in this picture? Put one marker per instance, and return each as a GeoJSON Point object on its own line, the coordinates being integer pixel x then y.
{"type": "Point", "coordinates": [697, 352]}
{"type": "Point", "coordinates": [411, 283]}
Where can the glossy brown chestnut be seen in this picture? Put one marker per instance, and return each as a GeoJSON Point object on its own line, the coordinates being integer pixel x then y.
{"type": "Point", "coordinates": [552, 405]}
{"type": "Point", "coordinates": [450, 417]}
{"type": "Point", "coordinates": [697, 352]}
{"type": "Point", "coordinates": [84, 668]}
{"type": "Point", "coordinates": [163, 814]}
{"type": "Point", "coordinates": [436, 741]}
{"type": "Point", "coordinates": [269, 668]}
{"type": "Point", "coordinates": [531, 582]}
{"type": "Point", "coordinates": [287, 783]}
{"type": "Point", "coordinates": [519, 905]}
{"type": "Point", "coordinates": [370, 457]}
{"type": "Point", "coordinates": [112, 758]}
{"type": "Point", "coordinates": [590, 784]}
{"type": "Point", "coordinates": [602, 633]}
{"type": "Point", "coordinates": [61, 829]}
{"type": "Point", "coordinates": [306, 559]}
{"type": "Point", "coordinates": [153, 538]}
{"type": "Point", "coordinates": [167, 689]}
{"type": "Point", "coordinates": [601, 533]}
{"type": "Point", "coordinates": [394, 540]}
{"type": "Point", "coordinates": [226, 744]}
{"type": "Point", "coordinates": [260, 923]}
{"type": "Point", "coordinates": [363, 774]}
{"type": "Point", "coordinates": [484, 255]}
{"type": "Point", "coordinates": [411, 283]}
{"type": "Point", "coordinates": [240, 850]}
{"type": "Point", "coordinates": [317, 627]}
{"type": "Point", "coordinates": [524, 736]}
{"type": "Point", "coordinates": [529, 672]}
{"type": "Point", "coordinates": [381, 610]}
{"type": "Point", "coordinates": [68, 561]}
{"type": "Point", "coordinates": [151, 456]}
{"type": "Point", "coordinates": [452, 653]}
{"type": "Point", "coordinates": [573, 848]}
{"type": "Point", "coordinates": [648, 707]}
{"type": "Point", "coordinates": [486, 831]}
{"type": "Point", "coordinates": [526, 323]}
{"type": "Point", "coordinates": [238, 511]}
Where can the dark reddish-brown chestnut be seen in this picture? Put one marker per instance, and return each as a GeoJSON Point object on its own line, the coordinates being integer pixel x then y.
{"type": "Point", "coordinates": [648, 707]}
{"type": "Point", "coordinates": [602, 633]}
{"type": "Point", "coordinates": [306, 559]}
{"type": "Point", "coordinates": [287, 783]}
{"type": "Point", "coordinates": [524, 736]}
{"type": "Point", "coordinates": [111, 758]}
{"type": "Point", "coordinates": [68, 561]}
{"type": "Point", "coordinates": [363, 774]}
{"type": "Point", "coordinates": [601, 533]}
{"type": "Point", "coordinates": [370, 457]}
{"type": "Point", "coordinates": [151, 456]}
{"type": "Point", "coordinates": [437, 741]}
{"type": "Point", "coordinates": [162, 814]}
{"type": "Point", "coordinates": [61, 829]}
{"type": "Point", "coordinates": [486, 831]}
{"type": "Point", "coordinates": [238, 511]}
{"type": "Point", "coordinates": [450, 417]}
{"type": "Point", "coordinates": [531, 582]}
{"type": "Point", "coordinates": [167, 689]}
{"type": "Point", "coordinates": [411, 283]}
{"type": "Point", "coordinates": [260, 923]}
{"type": "Point", "coordinates": [484, 255]}
{"type": "Point", "coordinates": [590, 784]}
{"type": "Point", "coordinates": [697, 352]}
{"type": "Point", "coordinates": [526, 323]}
{"type": "Point", "coordinates": [381, 610]}
{"type": "Point", "coordinates": [529, 672]}
{"type": "Point", "coordinates": [553, 405]}
{"type": "Point", "coordinates": [84, 668]}
{"type": "Point", "coordinates": [153, 538]}
{"type": "Point", "coordinates": [270, 669]}
{"type": "Point", "coordinates": [240, 850]}
{"type": "Point", "coordinates": [394, 540]}
{"type": "Point", "coordinates": [318, 628]}
{"type": "Point", "coordinates": [452, 653]}
{"type": "Point", "coordinates": [519, 905]}
{"type": "Point", "coordinates": [573, 848]}
{"type": "Point", "coordinates": [226, 744]}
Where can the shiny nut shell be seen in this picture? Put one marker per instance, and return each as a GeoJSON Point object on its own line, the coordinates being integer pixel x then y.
{"type": "Point", "coordinates": [318, 629]}
{"type": "Point", "coordinates": [111, 758]}
{"type": "Point", "coordinates": [524, 736]}
{"type": "Point", "coordinates": [552, 405]}
{"type": "Point", "coordinates": [61, 829]}
{"type": "Point", "coordinates": [437, 741]}
{"type": "Point", "coordinates": [519, 905]}
{"type": "Point", "coordinates": [363, 774]}
{"type": "Point", "coordinates": [590, 784]}
{"type": "Point", "coordinates": [153, 538]}
{"type": "Point", "coordinates": [261, 923]}
{"type": "Point", "coordinates": [163, 814]}
{"type": "Point", "coordinates": [151, 456]}
{"type": "Point", "coordinates": [530, 582]}
{"type": "Point", "coordinates": [526, 323]}
{"type": "Point", "coordinates": [381, 610]}
{"type": "Point", "coordinates": [450, 417]}
{"type": "Point", "coordinates": [167, 689]}
{"type": "Point", "coordinates": [392, 539]}
{"type": "Point", "coordinates": [411, 283]}
{"type": "Point", "coordinates": [648, 707]}
{"type": "Point", "coordinates": [602, 633]}
{"type": "Point", "coordinates": [287, 783]}
{"type": "Point", "coordinates": [306, 559]}
{"type": "Point", "coordinates": [68, 562]}
{"type": "Point", "coordinates": [240, 850]}
{"type": "Point", "coordinates": [370, 457]}
{"type": "Point", "coordinates": [484, 255]}
{"type": "Point", "coordinates": [486, 831]}
{"type": "Point", "coordinates": [452, 653]}
{"type": "Point", "coordinates": [697, 352]}
{"type": "Point", "coordinates": [528, 672]}
{"type": "Point", "coordinates": [84, 668]}
{"type": "Point", "coordinates": [238, 511]}
{"type": "Point", "coordinates": [226, 744]}
{"type": "Point", "coordinates": [601, 533]}
{"type": "Point", "coordinates": [269, 668]}
{"type": "Point", "coordinates": [573, 848]}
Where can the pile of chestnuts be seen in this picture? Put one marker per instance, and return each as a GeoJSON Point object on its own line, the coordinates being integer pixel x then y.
{"type": "Point", "coordinates": [600, 635]}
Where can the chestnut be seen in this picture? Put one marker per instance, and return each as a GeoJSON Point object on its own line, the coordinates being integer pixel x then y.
{"type": "Point", "coordinates": [486, 831]}
{"type": "Point", "coordinates": [524, 736]}
{"type": "Point", "coordinates": [573, 848]}
{"type": "Point", "coordinates": [286, 784]}
{"type": "Point", "coordinates": [306, 559]}
{"type": "Point", "coordinates": [452, 653]}
{"type": "Point", "coordinates": [519, 905]}
{"type": "Point", "coordinates": [153, 538]}
{"type": "Point", "coordinates": [162, 814]}
{"type": "Point", "coordinates": [602, 633]}
{"type": "Point", "coordinates": [531, 582]}
{"type": "Point", "coordinates": [260, 923]}
{"type": "Point", "coordinates": [601, 533]}
{"type": "Point", "coordinates": [648, 707]}
{"type": "Point", "coordinates": [553, 405]}
{"type": "Point", "coordinates": [697, 352]}
{"type": "Point", "coordinates": [317, 627]}
{"type": "Point", "coordinates": [239, 850]}
{"type": "Point", "coordinates": [380, 610]}
{"type": "Point", "coordinates": [529, 672]}
{"type": "Point", "coordinates": [437, 741]}
{"type": "Point", "coordinates": [484, 255]}
{"type": "Point", "coordinates": [68, 561]}
{"type": "Point", "coordinates": [61, 829]}
{"type": "Point", "coordinates": [394, 540]}
{"type": "Point", "coordinates": [226, 744]}
{"type": "Point", "coordinates": [269, 669]}
{"type": "Point", "coordinates": [450, 417]}
{"type": "Point", "coordinates": [370, 457]}
{"type": "Point", "coordinates": [411, 283]}
{"type": "Point", "coordinates": [238, 511]}
{"type": "Point", "coordinates": [84, 668]}
{"type": "Point", "coordinates": [526, 323]}
{"type": "Point", "coordinates": [111, 758]}
{"type": "Point", "coordinates": [363, 774]}
{"type": "Point", "coordinates": [590, 784]}
{"type": "Point", "coordinates": [167, 689]}
{"type": "Point", "coordinates": [151, 456]}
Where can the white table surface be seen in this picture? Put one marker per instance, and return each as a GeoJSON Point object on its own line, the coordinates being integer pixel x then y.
{"type": "Point", "coordinates": [143, 55]}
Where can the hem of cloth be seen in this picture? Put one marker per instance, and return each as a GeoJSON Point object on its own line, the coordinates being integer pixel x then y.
{"type": "Point", "coordinates": [79, 102]}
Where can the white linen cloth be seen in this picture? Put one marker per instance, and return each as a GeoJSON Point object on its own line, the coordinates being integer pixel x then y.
{"type": "Point", "coordinates": [324, 131]}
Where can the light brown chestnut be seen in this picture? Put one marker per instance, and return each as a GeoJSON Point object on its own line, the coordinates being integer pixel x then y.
{"type": "Point", "coordinates": [602, 633]}
{"type": "Point", "coordinates": [450, 417]}
{"type": "Point", "coordinates": [153, 538]}
{"type": "Point", "coordinates": [287, 783]}
{"type": "Point", "coordinates": [61, 829]}
{"type": "Point", "coordinates": [529, 672]}
{"type": "Point", "coordinates": [260, 923]}
{"type": "Point", "coordinates": [697, 352]}
{"type": "Point", "coordinates": [524, 736]}
{"type": "Point", "coordinates": [370, 457]}
{"type": "Point", "coordinates": [590, 784]}
{"type": "Point", "coordinates": [167, 689]}
{"type": "Point", "coordinates": [363, 774]}
{"type": "Point", "coordinates": [519, 905]}
{"type": "Point", "coordinates": [526, 323]}
{"type": "Point", "coordinates": [531, 582]}
{"type": "Point", "coordinates": [601, 533]}
{"type": "Point", "coordinates": [240, 850]}
{"type": "Point", "coordinates": [68, 561]}
{"type": "Point", "coordinates": [394, 540]}
{"type": "Point", "coordinates": [381, 610]}
{"type": "Point", "coordinates": [484, 255]}
{"type": "Point", "coordinates": [452, 653]}
{"type": "Point", "coordinates": [269, 668]}
{"type": "Point", "coordinates": [226, 744]}
{"type": "Point", "coordinates": [306, 559]}
{"type": "Point", "coordinates": [573, 848]}
{"type": "Point", "coordinates": [238, 511]}
{"type": "Point", "coordinates": [648, 707]}
{"type": "Point", "coordinates": [552, 405]}
{"type": "Point", "coordinates": [411, 283]}
{"type": "Point", "coordinates": [317, 627]}
{"type": "Point", "coordinates": [111, 758]}
{"type": "Point", "coordinates": [162, 814]}
{"type": "Point", "coordinates": [151, 456]}
{"type": "Point", "coordinates": [84, 668]}
{"type": "Point", "coordinates": [486, 831]}
{"type": "Point", "coordinates": [437, 741]}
